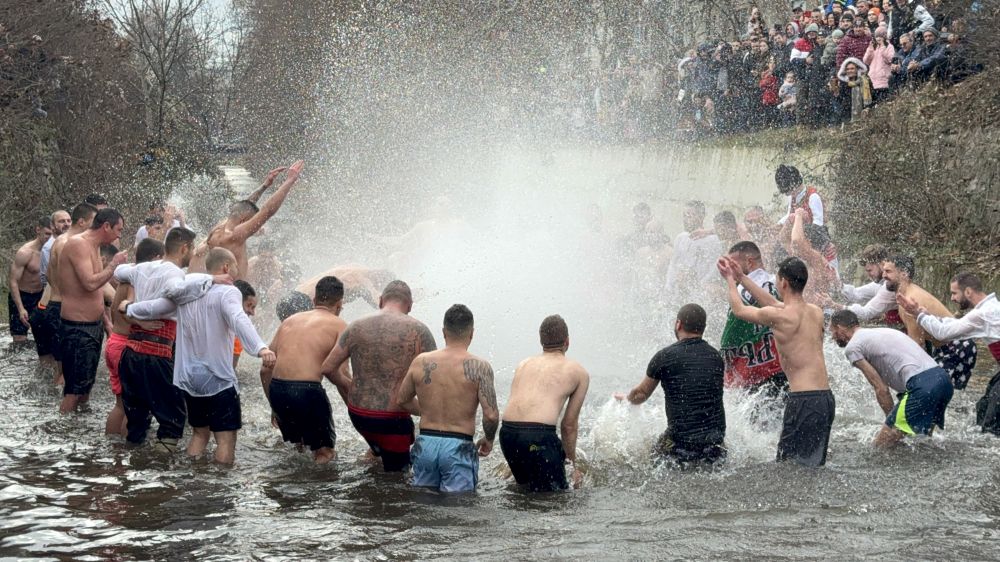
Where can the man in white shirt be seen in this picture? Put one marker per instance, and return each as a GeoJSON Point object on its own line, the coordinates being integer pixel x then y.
{"type": "Point", "coordinates": [891, 360]}
{"type": "Point", "coordinates": [203, 365]}
{"type": "Point", "coordinates": [871, 259]}
{"type": "Point", "coordinates": [160, 217]}
{"type": "Point", "coordinates": [981, 320]}
{"type": "Point", "coordinates": [693, 262]}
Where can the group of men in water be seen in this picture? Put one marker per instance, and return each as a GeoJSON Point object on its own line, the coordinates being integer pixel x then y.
{"type": "Point", "coordinates": [174, 335]}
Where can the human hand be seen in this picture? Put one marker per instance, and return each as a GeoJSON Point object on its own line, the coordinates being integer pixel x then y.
{"type": "Point", "coordinates": [120, 258]}
{"type": "Point", "coordinates": [23, 315]}
{"type": "Point", "coordinates": [269, 179]}
{"type": "Point", "coordinates": [725, 270]}
{"type": "Point", "coordinates": [295, 170]}
{"type": "Point", "coordinates": [274, 422]}
{"type": "Point", "coordinates": [619, 396]}
{"type": "Point", "coordinates": [909, 305]}
{"type": "Point", "coordinates": [123, 306]}
{"type": "Point", "coordinates": [801, 214]}
{"type": "Point", "coordinates": [268, 357]}
{"type": "Point", "coordinates": [223, 279]}
{"type": "Point", "coordinates": [485, 447]}
{"type": "Point", "coordinates": [577, 478]}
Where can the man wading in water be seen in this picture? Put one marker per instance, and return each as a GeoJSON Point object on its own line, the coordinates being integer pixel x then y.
{"type": "Point", "coordinates": [798, 330]}
{"type": "Point", "coordinates": [25, 281]}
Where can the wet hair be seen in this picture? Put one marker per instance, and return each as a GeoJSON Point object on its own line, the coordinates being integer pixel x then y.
{"type": "Point", "coordinates": [787, 178]}
{"type": "Point", "coordinates": [795, 272]}
{"type": "Point", "coordinates": [458, 320]}
{"type": "Point", "coordinates": [329, 290]}
{"type": "Point", "coordinates": [293, 304]}
{"type": "Point", "coordinates": [217, 257]}
{"type": "Point", "coordinates": [397, 291]}
{"type": "Point", "coordinates": [845, 318]}
{"type": "Point", "coordinates": [108, 251]}
{"type": "Point", "coordinates": [154, 219]}
{"type": "Point", "coordinates": [553, 333]}
{"type": "Point", "coordinates": [746, 248]}
{"type": "Point", "coordinates": [696, 205]}
{"type": "Point", "coordinates": [95, 199]}
{"type": "Point", "coordinates": [904, 263]}
{"type": "Point", "coordinates": [44, 222]}
{"type": "Point", "coordinates": [246, 289]}
{"type": "Point", "coordinates": [176, 238]}
{"type": "Point", "coordinates": [873, 253]}
{"type": "Point", "coordinates": [106, 215]}
{"type": "Point", "coordinates": [817, 236]}
{"type": "Point", "coordinates": [82, 212]}
{"type": "Point", "coordinates": [725, 217]}
{"type": "Point", "coordinates": [148, 249]}
{"type": "Point", "coordinates": [968, 280]}
{"type": "Point", "coordinates": [692, 318]}
{"type": "Point", "coordinates": [243, 207]}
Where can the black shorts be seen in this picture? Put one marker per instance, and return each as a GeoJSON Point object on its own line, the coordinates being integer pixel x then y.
{"type": "Point", "coordinates": [304, 413]}
{"type": "Point", "coordinates": [81, 352]}
{"type": "Point", "coordinates": [535, 455]}
{"type": "Point", "coordinates": [805, 434]}
{"type": "Point", "coordinates": [218, 412]}
{"type": "Point", "coordinates": [293, 303]}
{"type": "Point", "coordinates": [30, 301]}
{"type": "Point", "coordinates": [988, 407]}
{"type": "Point", "coordinates": [689, 453]}
{"type": "Point", "coordinates": [46, 326]}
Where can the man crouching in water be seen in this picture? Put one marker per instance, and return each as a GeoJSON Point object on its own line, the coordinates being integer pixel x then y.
{"type": "Point", "coordinates": [449, 384]}
{"type": "Point", "coordinates": [294, 386]}
{"type": "Point", "coordinates": [542, 386]}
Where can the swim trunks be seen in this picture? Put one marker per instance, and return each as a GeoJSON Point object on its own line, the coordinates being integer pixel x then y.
{"type": "Point", "coordinates": [218, 412]}
{"type": "Point", "coordinates": [389, 434]}
{"type": "Point", "coordinates": [805, 434]}
{"type": "Point", "coordinates": [81, 352]}
{"type": "Point", "coordinates": [688, 453]}
{"type": "Point", "coordinates": [46, 326]}
{"type": "Point", "coordinates": [445, 460]}
{"type": "Point", "coordinates": [148, 390]}
{"type": "Point", "coordinates": [112, 357]}
{"type": "Point", "coordinates": [923, 404]}
{"type": "Point", "coordinates": [535, 455]}
{"type": "Point", "coordinates": [237, 347]}
{"type": "Point", "coordinates": [988, 407]}
{"type": "Point", "coordinates": [958, 358]}
{"type": "Point", "coordinates": [304, 413]}
{"type": "Point", "coordinates": [293, 303]}
{"type": "Point", "coordinates": [30, 301]}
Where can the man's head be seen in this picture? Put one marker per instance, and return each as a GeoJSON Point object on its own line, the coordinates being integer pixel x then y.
{"type": "Point", "coordinates": [108, 224]}
{"type": "Point", "coordinates": [966, 290]}
{"type": "Point", "coordinates": [792, 276]}
{"type": "Point", "coordinates": [179, 245]}
{"type": "Point", "coordinates": [458, 324]}
{"type": "Point", "coordinates": [554, 334]}
{"type": "Point", "coordinates": [871, 259]}
{"type": "Point", "coordinates": [221, 261]}
{"type": "Point", "coordinates": [43, 228]}
{"type": "Point", "coordinates": [842, 326]}
{"type": "Point", "coordinates": [846, 22]}
{"type": "Point", "coordinates": [691, 320]}
{"type": "Point", "coordinates": [149, 249]}
{"type": "Point", "coordinates": [906, 42]}
{"type": "Point", "coordinates": [241, 211]}
{"type": "Point", "coordinates": [329, 293]}
{"type": "Point", "coordinates": [96, 200]}
{"type": "Point", "coordinates": [898, 270]}
{"type": "Point", "coordinates": [694, 215]}
{"type": "Point", "coordinates": [399, 293]}
{"type": "Point", "coordinates": [108, 252]}
{"type": "Point", "coordinates": [82, 216]}
{"type": "Point", "coordinates": [747, 255]}
{"type": "Point", "coordinates": [787, 178]}
{"type": "Point", "coordinates": [859, 26]}
{"type": "Point", "coordinates": [249, 296]}
{"type": "Point", "coordinates": [724, 224]}
{"type": "Point", "coordinates": [154, 226]}
{"type": "Point", "coordinates": [641, 215]}
{"type": "Point", "coordinates": [931, 36]}
{"type": "Point", "coordinates": [61, 221]}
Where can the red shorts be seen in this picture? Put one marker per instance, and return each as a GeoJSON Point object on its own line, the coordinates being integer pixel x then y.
{"type": "Point", "coordinates": [389, 434]}
{"type": "Point", "coordinates": [113, 356]}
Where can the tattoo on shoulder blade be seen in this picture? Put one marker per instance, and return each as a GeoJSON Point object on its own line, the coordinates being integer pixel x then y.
{"type": "Point", "coordinates": [479, 371]}
{"type": "Point", "coordinates": [429, 367]}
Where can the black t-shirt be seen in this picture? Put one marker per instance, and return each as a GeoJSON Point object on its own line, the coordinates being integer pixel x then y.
{"type": "Point", "coordinates": [691, 373]}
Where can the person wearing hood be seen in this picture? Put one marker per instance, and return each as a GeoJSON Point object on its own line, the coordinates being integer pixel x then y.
{"type": "Point", "coordinates": [878, 57]}
{"type": "Point", "coordinates": [830, 50]}
{"type": "Point", "coordinates": [853, 89]}
{"type": "Point", "coordinates": [855, 42]}
{"type": "Point", "coordinates": [927, 57]}
{"type": "Point", "coordinates": [791, 31]}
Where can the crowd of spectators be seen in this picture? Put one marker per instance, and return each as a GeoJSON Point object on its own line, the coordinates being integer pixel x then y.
{"type": "Point", "coordinates": [829, 64]}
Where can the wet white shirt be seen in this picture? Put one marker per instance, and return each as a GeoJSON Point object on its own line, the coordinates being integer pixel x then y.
{"type": "Point", "coordinates": [883, 301]}
{"type": "Point", "coordinates": [693, 260]}
{"type": "Point", "coordinates": [143, 233]}
{"type": "Point", "coordinates": [861, 294]}
{"type": "Point", "coordinates": [152, 280]}
{"type": "Point", "coordinates": [815, 207]}
{"type": "Point", "coordinates": [983, 322]}
{"type": "Point", "coordinates": [894, 355]}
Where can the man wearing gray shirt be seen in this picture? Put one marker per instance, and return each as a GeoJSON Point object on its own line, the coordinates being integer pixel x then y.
{"type": "Point", "coordinates": [890, 359]}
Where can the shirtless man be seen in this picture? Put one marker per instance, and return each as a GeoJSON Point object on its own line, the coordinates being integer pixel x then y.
{"type": "Point", "coordinates": [244, 220]}
{"type": "Point", "coordinates": [61, 222]}
{"type": "Point", "coordinates": [25, 281]}
{"type": "Point", "coordinates": [957, 356]}
{"type": "Point", "coordinates": [544, 387]}
{"type": "Point", "coordinates": [359, 283]}
{"type": "Point", "coordinates": [381, 348]}
{"type": "Point", "coordinates": [81, 280]}
{"type": "Point", "coordinates": [294, 385]}
{"type": "Point", "coordinates": [798, 330]}
{"type": "Point", "coordinates": [450, 384]}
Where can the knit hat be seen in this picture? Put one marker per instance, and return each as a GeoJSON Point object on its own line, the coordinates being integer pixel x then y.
{"type": "Point", "coordinates": [934, 31]}
{"type": "Point", "coordinates": [812, 28]}
{"type": "Point", "coordinates": [837, 34]}
{"type": "Point", "coordinates": [875, 11]}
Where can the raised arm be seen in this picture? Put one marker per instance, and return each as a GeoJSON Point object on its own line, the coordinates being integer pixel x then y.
{"type": "Point", "coordinates": [481, 372]}
{"type": "Point", "coordinates": [883, 301]}
{"type": "Point", "coordinates": [79, 259]}
{"type": "Point", "coordinates": [21, 260]}
{"type": "Point", "coordinates": [268, 181]}
{"type": "Point", "coordinates": [764, 316]}
{"type": "Point", "coordinates": [271, 206]}
{"type": "Point", "coordinates": [882, 393]}
{"type": "Point", "coordinates": [801, 246]}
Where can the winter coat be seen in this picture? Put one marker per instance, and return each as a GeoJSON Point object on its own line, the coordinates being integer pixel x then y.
{"type": "Point", "coordinates": [769, 90]}
{"type": "Point", "coordinates": [929, 57]}
{"type": "Point", "coordinates": [843, 3]}
{"type": "Point", "coordinates": [852, 45]}
{"type": "Point", "coordinates": [879, 61]}
{"type": "Point", "coordinates": [855, 95]}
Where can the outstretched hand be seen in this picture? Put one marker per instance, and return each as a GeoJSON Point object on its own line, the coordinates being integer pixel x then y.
{"type": "Point", "coordinates": [269, 179]}
{"type": "Point", "coordinates": [295, 170]}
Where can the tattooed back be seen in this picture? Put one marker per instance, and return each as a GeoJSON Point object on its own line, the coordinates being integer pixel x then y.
{"type": "Point", "coordinates": [450, 384]}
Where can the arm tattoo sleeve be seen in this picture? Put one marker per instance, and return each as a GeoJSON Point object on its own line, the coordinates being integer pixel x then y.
{"type": "Point", "coordinates": [427, 342]}
{"type": "Point", "coordinates": [481, 372]}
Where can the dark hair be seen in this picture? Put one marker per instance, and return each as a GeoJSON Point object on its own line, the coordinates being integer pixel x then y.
{"type": "Point", "coordinates": [44, 222]}
{"type": "Point", "coordinates": [692, 318]}
{"type": "Point", "coordinates": [746, 248]}
{"type": "Point", "coordinates": [904, 263]}
{"type": "Point", "coordinates": [329, 290]}
{"type": "Point", "coordinates": [873, 253]}
{"type": "Point", "coordinates": [148, 249]}
{"type": "Point", "coordinates": [243, 207]}
{"type": "Point", "coordinates": [458, 320]}
{"type": "Point", "coordinates": [795, 272]}
{"type": "Point", "coordinates": [696, 205]}
{"type": "Point", "coordinates": [108, 251]}
{"type": "Point", "coordinates": [725, 217]}
{"type": "Point", "coordinates": [246, 289]}
{"type": "Point", "coordinates": [95, 199]}
{"type": "Point", "coordinates": [845, 318]}
{"type": "Point", "coordinates": [968, 280]}
{"type": "Point", "coordinates": [176, 238]}
{"type": "Point", "coordinates": [847, 15]}
{"type": "Point", "coordinates": [787, 178]}
{"type": "Point", "coordinates": [106, 215]}
{"type": "Point", "coordinates": [150, 221]}
{"type": "Point", "coordinates": [397, 291]}
{"type": "Point", "coordinates": [82, 212]}
{"type": "Point", "coordinates": [817, 236]}
{"type": "Point", "coordinates": [293, 304]}
{"type": "Point", "coordinates": [553, 332]}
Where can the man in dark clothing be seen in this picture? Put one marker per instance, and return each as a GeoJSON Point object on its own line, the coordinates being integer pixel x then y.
{"type": "Point", "coordinates": [927, 57]}
{"type": "Point", "coordinates": [691, 373]}
{"type": "Point", "coordinates": [901, 61]}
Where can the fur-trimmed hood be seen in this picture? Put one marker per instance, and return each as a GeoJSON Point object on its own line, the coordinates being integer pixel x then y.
{"type": "Point", "coordinates": [862, 68]}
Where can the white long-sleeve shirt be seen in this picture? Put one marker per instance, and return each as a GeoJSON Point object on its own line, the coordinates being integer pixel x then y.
{"type": "Point", "coordinates": [815, 207]}
{"type": "Point", "coordinates": [203, 357]}
{"type": "Point", "coordinates": [860, 294]}
{"type": "Point", "coordinates": [883, 301]}
{"type": "Point", "coordinates": [693, 261]}
{"type": "Point", "coordinates": [983, 322]}
{"type": "Point", "coordinates": [152, 280]}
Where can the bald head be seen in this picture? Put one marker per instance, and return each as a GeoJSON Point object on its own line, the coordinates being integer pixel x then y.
{"type": "Point", "coordinates": [397, 291]}
{"type": "Point", "coordinates": [218, 259]}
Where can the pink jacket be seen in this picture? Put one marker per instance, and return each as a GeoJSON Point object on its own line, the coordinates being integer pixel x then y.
{"type": "Point", "coordinates": [879, 61]}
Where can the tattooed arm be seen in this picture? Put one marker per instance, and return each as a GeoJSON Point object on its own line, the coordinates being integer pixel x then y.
{"type": "Point", "coordinates": [334, 369]}
{"type": "Point", "coordinates": [481, 373]}
{"type": "Point", "coordinates": [408, 389]}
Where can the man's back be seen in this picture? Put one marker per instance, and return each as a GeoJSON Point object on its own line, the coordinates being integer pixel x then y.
{"type": "Point", "coordinates": [540, 388]}
{"type": "Point", "coordinates": [303, 342]}
{"type": "Point", "coordinates": [691, 375]}
{"type": "Point", "coordinates": [52, 275]}
{"type": "Point", "coordinates": [798, 332]}
{"type": "Point", "coordinates": [381, 348]}
{"type": "Point", "coordinates": [448, 390]}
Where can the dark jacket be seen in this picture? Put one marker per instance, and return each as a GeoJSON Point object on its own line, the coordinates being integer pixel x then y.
{"type": "Point", "coordinates": [930, 58]}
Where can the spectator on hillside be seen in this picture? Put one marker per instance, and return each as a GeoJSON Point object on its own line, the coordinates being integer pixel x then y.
{"type": "Point", "coordinates": [812, 76]}
{"type": "Point", "coordinates": [927, 57]}
{"type": "Point", "coordinates": [853, 89]}
{"type": "Point", "coordinates": [878, 57]}
{"type": "Point", "coordinates": [788, 92]}
{"type": "Point", "coordinates": [829, 57]}
{"type": "Point", "coordinates": [769, 89]}
{"type": "Point", "coordinates": [855, 42]}
{"type": "Point", "coordinates": [834, 5]}
{"type": "Point", "coordinates": [782, 50]}
{"type": "Point", "coordinates": [901, 61]}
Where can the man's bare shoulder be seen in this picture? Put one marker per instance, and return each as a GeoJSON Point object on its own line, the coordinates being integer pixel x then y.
{"type": "Point", "coordinates": [25, 253]}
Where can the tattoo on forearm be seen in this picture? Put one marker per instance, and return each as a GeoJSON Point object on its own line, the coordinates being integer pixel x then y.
{"type": "Point", "coordinates": [479, 371]}
{"type": "Point", "coordinates": [490, 429]}
{"type": "Point", "coordinates": [428, 369]}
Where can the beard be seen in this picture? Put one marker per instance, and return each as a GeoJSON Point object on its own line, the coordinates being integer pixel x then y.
{"type": "Point", "coordinates": [964, 304]}
{"type": "Point", "coordinates": [840, 341]}
{"type": "Point", "coordinates": [892, 285]}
